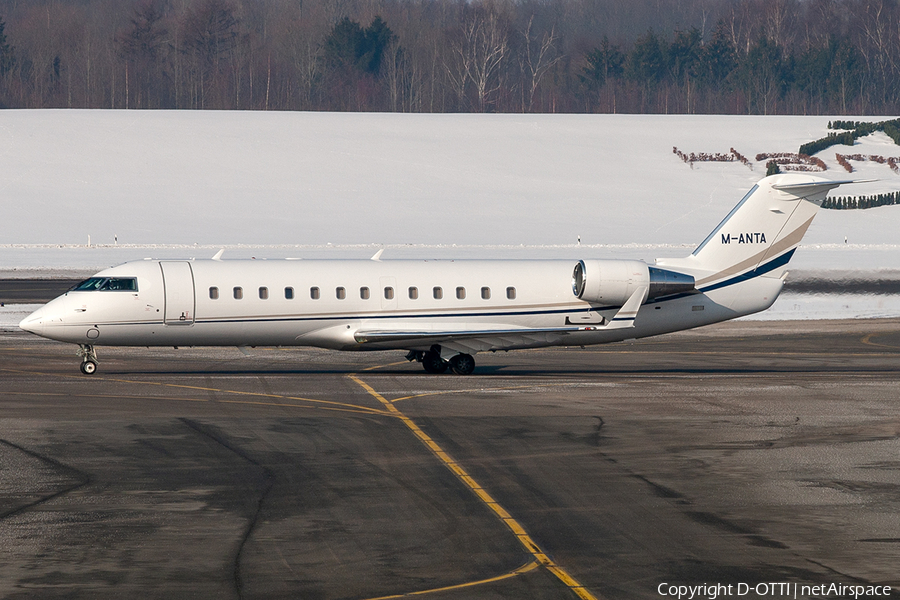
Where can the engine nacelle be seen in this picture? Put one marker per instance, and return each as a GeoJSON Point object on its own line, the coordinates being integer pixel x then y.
{"type": "Point", "coordinates": [612, 282]}
{"type": "Point", "coordinates": [609, 282]}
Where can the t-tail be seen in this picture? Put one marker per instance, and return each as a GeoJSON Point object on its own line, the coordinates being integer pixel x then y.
{"type": "Point", "coordinates": [756, 239]}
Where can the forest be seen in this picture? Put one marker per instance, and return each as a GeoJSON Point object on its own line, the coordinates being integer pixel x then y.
{"type": "Point", "coordinates": [799, 57]}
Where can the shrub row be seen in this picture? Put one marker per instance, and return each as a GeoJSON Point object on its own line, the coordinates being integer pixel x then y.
{"type": "Point", "coordinates": [742, 158]}
{"type": "Point", "coordinates": [852, 202]}
{"type": "Point", "coordinates": [858, 129]}
{"type": "Point", "coordinates": [794, 161]}
{"type": "Point", "coordinates": [710, 157]}
{"type": "Point", "coordinates": [892, 161]}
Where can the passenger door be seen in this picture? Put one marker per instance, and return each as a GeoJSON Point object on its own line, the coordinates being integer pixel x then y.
{"type": "Point", "coordinates": [178, 282]}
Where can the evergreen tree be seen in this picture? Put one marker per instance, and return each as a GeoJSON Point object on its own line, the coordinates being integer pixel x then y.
{"type": "Point", "coordinates": [763, 76]}
{"type": "Point", "coordinates": [351, 48]}
{"type": "Point", "coordinates": [6, 51]}
{"type": "Point", "coordinates": [684, 55]}
{"type": "Point", "coordinates": [604, 62]}
{"type": "Point", "coordinates": [344, 45]}
{"type": "Point", "coordinates": [647, 61]}
{"type": "Point", "coordinates": [376, 38]}
{"type": "Point", "coordinates": [717, 59]}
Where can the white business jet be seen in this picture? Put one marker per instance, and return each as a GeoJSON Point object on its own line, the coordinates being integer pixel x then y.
{"type": "Point", "coordinates": [441, 312]}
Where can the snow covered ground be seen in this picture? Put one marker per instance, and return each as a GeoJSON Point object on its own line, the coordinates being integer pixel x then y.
{"type": "Point", "coordinates": [186, 183]}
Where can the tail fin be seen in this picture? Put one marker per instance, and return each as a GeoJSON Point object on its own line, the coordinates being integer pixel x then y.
{"type": "Point", "coordinates": [761, 233]}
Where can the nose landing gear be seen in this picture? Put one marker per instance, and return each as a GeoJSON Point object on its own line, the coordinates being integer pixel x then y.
{"type": "Point", "coordinates": [88, 359]}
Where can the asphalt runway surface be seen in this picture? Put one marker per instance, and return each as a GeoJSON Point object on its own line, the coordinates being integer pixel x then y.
{"type": "Point", "coordinates": [744, 453]}
{"type": "Point", "coordinates": [33, 291]}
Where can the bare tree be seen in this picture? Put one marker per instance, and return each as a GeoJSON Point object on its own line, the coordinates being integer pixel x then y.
{"type": "Point", "coordinates": [142, 44]}
{"type": "Point", "coordinates": [535, 60]}
{"type": "Point", "coordinates": [479, 51]}
{"type": "Point", "coordinates": [209, 37]}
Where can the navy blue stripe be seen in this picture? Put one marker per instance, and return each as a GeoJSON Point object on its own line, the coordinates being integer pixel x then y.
{"type": "Point", "coordinates": [408, 316]}
{"type": "Point", "coordinates": [760, 270]}
{"type": "Point", "coordinates": [377, 316]}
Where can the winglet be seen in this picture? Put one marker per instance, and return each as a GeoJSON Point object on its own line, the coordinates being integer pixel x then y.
{"type": "Point", "coordinates": [624, 319]}
{"type": "Point", "coordinates": [377, 255]}
{"type": "Point", "coordinates": [219, 254]}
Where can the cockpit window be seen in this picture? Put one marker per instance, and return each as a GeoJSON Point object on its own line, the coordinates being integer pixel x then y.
{"type": "Point", "coordinates": [107, 284]}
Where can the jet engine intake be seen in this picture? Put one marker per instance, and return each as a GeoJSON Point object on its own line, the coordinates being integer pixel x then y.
{"type": "Point", "coordinates": [609, 282]}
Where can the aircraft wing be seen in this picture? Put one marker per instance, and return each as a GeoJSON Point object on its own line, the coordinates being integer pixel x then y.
{"type": "Point", "coordinates": [478, 339]}
{"type": "Point", "coordinates": [467, 340]}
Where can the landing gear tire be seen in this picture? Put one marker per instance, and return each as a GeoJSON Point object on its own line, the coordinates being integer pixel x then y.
{"type": "Point", "coordinates": [88, 367]}
{"type": "Point", "coordinates": [462, 364]}
{"type": "Point", "coordinates": [433, 363]}
{"type": "Point", "coordinates": [88, 359]}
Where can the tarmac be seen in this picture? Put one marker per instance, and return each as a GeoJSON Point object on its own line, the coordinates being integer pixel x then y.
{"type": "Point", "coordinates": [743, 453]}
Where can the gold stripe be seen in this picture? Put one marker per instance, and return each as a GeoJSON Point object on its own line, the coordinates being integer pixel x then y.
{"type": "Point", "coordinates": [575, 305]}
{"type": "Point", "coordinates": [784, 243]}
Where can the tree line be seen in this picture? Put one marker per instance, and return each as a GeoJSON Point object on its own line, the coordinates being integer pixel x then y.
{"type": "Point", "coordinates": [641, 56]}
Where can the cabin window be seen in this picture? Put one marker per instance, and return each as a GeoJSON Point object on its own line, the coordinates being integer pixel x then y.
{"type": "Point", "coordinates": [485, 293]}
{"type": "Point", "coordinates": [389, 293]}
{"type": "Point", "coordinates": [288, 293]}
{"type": "Point", "coordinates": [263, 293]}
{"type": "Point", "coordinates": [213, 293]}
{"type": "Point", "coordinates": [364, 293]}
{"type": "Point", "coordinates": [238, 293]}
{"type": "Point", "coordinates": [438, 293]}
{"type": "Point", "coordinates": [413, 293]}
{"type": "Point", "coordinates": [314, 293]}
{"type": "Point", "coordinates": [511, 293]}
{"type": "Point", "coordinates": [340, 293]}
{"type": "Point", "coordinates": [461, 293]}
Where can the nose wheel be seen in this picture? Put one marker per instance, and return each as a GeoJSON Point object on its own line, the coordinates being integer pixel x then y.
{"type": "Point", "coordinates": [88, 367]}
{"type": "Point", "coordinates": [88, 359]}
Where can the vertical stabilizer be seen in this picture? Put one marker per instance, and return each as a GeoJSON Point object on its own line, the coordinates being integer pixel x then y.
{"type": "Point", "coordinates": [760, 234]}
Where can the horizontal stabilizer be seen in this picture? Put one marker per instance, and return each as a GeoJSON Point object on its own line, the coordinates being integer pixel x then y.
{"type": "Point", "coordinates": [813, 187]}
{"type": "Point", "coordinates": [760, 233]}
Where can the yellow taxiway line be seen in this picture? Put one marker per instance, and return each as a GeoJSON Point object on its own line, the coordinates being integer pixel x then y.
{"type": "Point", "coordinates": [521, 535]}
{"type": "Point", "coordinates": [523, 569]}
{"type": "Point", "coordinates": [315, 404]}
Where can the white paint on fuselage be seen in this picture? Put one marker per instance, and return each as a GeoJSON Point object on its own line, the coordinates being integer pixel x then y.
{"type": "Point", "coordinates": [543, 298]}
{"type": "Point", "coordinates": [736, 271]}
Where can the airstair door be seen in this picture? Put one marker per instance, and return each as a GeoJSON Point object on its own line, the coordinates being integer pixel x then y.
{"type": "Point", "coordinates": [178, 282]}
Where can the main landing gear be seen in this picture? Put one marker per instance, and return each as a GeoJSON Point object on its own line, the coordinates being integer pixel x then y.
{"type": "Point", "coordinates": [460, 364]}
{"type": "Point", "coordinates": [88, 359]}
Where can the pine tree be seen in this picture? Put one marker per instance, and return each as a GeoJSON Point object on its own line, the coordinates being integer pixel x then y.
{"type": "Point", "coordinates": [6, 51]}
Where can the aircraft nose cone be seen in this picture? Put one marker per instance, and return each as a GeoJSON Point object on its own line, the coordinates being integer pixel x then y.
{"type": "Point", "coordinates": [33, 323]}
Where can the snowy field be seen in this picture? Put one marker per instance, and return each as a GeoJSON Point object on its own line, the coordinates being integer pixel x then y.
{"type": "Point", "coordinates": [168, 184]}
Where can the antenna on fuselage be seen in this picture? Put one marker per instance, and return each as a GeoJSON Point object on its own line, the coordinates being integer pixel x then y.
{"type": "Point", "coordinates": [219, 254]}
{"type": "Point", "coordinates": [377, 256]}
